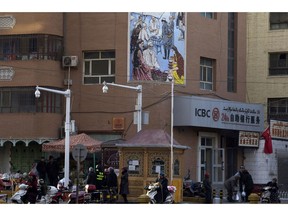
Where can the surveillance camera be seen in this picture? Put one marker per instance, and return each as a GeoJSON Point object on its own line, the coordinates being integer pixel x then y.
{"type": "Point", "coordinates": [37, 93]}
{"type": "Point", "coordinates": [170, 77]}
{"type": "Point", "coordinates": [105, 89]}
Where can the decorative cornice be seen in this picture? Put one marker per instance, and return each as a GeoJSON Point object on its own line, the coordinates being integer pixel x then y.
{"type": "Point", "coordinates": [6, 73]}
{"type": "Point", "coordinates": [7, 22]}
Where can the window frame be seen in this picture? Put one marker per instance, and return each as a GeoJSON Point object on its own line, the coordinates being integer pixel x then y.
{"type": "Point", "coordinates": [278, 21]}
{"type": "Point", "coordinates": [207, 71]}
{"type": "Point", "coordinates": [99, 78]}
{"type": "Point", "coordinates": [277, 104]}
{"type": "Point", "coordinates": [278, 69]}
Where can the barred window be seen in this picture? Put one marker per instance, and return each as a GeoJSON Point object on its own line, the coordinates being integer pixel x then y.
{"type": "Point", "coordinates": [278, 21]}
{"type": "Point", "coordinates": [28, 47]}
{"type": "Point", "coordinates": [278, 64]}
{"type": "Point", "coordinates": [278, 109]}
{"type": "Point", "coordinates": [99, 66]}
{"type": "Point", "coordinates": [22, 100]}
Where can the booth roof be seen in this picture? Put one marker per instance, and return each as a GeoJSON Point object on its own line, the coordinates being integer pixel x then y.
{"type": "Point", "coordinates": [151, 138]}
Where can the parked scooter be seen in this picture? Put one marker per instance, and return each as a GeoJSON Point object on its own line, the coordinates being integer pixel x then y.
{"type": "Point", "coordinates": [270, 195]}
{"type": "Point", "coordinates": [192, 189]}
{"type": "Point", "coordinates": [152, 191]}
{"type": "Point", "coordinates": [17, 196]}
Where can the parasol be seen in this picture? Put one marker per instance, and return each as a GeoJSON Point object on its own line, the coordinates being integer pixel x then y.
{"type": "Point", "coordinates": [91, 144]}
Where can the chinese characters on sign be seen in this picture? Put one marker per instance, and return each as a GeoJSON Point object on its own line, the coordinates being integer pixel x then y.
{"type": "Point", "coordinates": [248, 139]}
{"type": "Point", "coordinates": [279, 129]}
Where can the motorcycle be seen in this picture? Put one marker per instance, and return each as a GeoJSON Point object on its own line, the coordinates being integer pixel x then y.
{"type": "Point", "coordinates": [17, 196]}
{"type": "Point", "coordinates": [192, 189]}
{"type": "Point", "coordinates": [152, 191]}
{"type": "Point", "coordinates": [52, 196]}
{"type": "Point", "coordinates": [269, 195]}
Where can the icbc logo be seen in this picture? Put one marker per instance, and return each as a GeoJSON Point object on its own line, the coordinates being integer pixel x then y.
{"type": "Point", "coordinates": [202, 113]}
{"type": "Point", "coordinates": [215, 114]}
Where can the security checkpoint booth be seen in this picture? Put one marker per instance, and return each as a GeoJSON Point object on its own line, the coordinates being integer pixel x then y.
{"type": "Point", "coordinates": [147, 154]}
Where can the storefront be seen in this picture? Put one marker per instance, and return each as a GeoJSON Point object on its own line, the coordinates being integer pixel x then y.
{"type": "Point", "coordinates": [212, 128]}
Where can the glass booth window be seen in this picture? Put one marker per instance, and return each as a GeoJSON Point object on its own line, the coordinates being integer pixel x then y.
{"type": "Point", "coordinates": [133, 166]}
{"type": "Point", "coordinates": [158, 166]}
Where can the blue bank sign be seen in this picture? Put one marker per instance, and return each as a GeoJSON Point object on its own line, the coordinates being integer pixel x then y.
{"type": "Point", "coordinates": [222, 114]}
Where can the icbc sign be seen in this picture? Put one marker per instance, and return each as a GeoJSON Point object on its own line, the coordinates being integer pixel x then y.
{"type": "Point", "coordinates": [202, 113]}
{"type": "Point", "coordinates": [206, 113]}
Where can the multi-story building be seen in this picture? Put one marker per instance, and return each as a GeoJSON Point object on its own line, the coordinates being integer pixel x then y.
{"type": "Point", "coordinates": [208, 51]}
{"type": "Point", "coordinates": [267, 84]}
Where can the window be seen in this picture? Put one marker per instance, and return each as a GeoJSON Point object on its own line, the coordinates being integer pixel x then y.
{"type": "Point", "coordinates": [209, 15]}
{"type": "Point", "coordinates": [278, 64]}
{"type": "Point", "coordinates": [99, 66]}
{"type": "Point", "coordinates": [278, 109]}
{"type": "Point", "coordinates": [158, 166]}
{"type": "Point", "coordinates": [206, 73]}
{"type": "Point", "coordinates": [22, 100]}
{"type": "Point", "coordinates": [26, 47]}
{"type": "Point", "coordinates": [278, 21]}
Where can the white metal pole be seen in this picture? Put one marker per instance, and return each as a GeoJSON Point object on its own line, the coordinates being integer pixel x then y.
{"type": "Point", "coordinates": [67, 140]}
{"type": "Point", "coordinates": [172, 119]}
{"type": "Point", "coordinates": [139, 111]}
{"type": "Point", "coordinates": [67, 94]}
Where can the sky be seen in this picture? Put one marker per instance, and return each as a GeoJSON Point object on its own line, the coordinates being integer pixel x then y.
{"type": "Point", "coordinates": [143, 5]}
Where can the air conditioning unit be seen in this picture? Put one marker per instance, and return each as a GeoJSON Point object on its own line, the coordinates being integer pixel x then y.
{"type": "Point", "coordinates": [69, 61]}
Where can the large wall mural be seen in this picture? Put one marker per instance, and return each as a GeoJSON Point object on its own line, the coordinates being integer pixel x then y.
{"type": "Point", "coordinates": [157, 46]}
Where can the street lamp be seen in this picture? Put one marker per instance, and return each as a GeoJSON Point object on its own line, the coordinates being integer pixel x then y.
{"type": "Point", "coordinates": [138, 106]}
{"type": "Point", "coordinates": [171, 79]}
{"type": "Point", "coordinates": [67, 94]}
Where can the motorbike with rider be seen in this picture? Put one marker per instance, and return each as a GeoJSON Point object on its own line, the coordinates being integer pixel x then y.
{"type": "Point", "coordinates": [160, 192]}
{"type": "Point", "coordinates": [270, 192]}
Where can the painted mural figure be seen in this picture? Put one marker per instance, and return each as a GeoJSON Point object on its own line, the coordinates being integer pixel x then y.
{"type": "Point", "coordinates": [134, 37]}
{"type": "Point", "coordinates": [150, 56]}
{"type": "Point", "coordinates": [180, 24]}
{"type": "Point", "coordinates": [141, 70]}
{"type": "Point", "coordinates": [154, 27]}
{"type": "Point", "coordinates": [167, 37]}
{"type": "Point", "coordinates": [143, 34]}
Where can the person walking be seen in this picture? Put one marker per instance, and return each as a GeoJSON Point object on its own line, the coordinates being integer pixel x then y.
{"type": "Point", "coordinates": [41, 169]}
{"type": "Point", "coordinates": [52, 169]}
{"type": "Point", "coordinates": [231, 186]}
{"type": "Point", "coordinates": [248, 185]}
{"type": "Point", "coordinates": [91, 177]}
{"type": "Point", "coordinates": [207, 188]}
{"type": "Point", "coordinates": [112, 181]}
{"type": "Point", "coordinates": [100, 182]}
{"type": "Point", "coordinates": [124, 184]}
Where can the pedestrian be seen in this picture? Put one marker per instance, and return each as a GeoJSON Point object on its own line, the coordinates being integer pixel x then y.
{"type": "Point", "coordinates": [112, 181]}
{"type": "Point", "coordinates": [41, 168]}
{"type": "Point", "coordinates": [124, 184]}
{"type": "Point", "coordinates": [91, 177]}
{"type": "Point", "coordinates": [207, 188]}
{"type": "Point", "coordinates": [52, 169]}
{"type": "Point", "coordinates": [231, 185]}
{"type": "Point", "coordinates": [100, 178]}
{"type": "Point", "coordinates": [162, 191]}
{"type": "Point", "coordinates": [248, 185]}
{"type": "Point", "coordinates": [274, 197]}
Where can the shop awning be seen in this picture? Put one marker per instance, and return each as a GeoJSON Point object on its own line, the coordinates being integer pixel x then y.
{"type": "Point", "coordinates": [91, 144]}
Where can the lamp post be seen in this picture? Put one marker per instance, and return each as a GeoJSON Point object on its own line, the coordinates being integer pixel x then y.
{"type": "Point", "coordinates": [138, 106]}
{"type": "Point", "coordinates": [67, 94]}
{"type": "Point", "coordinates": [171, 79]}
